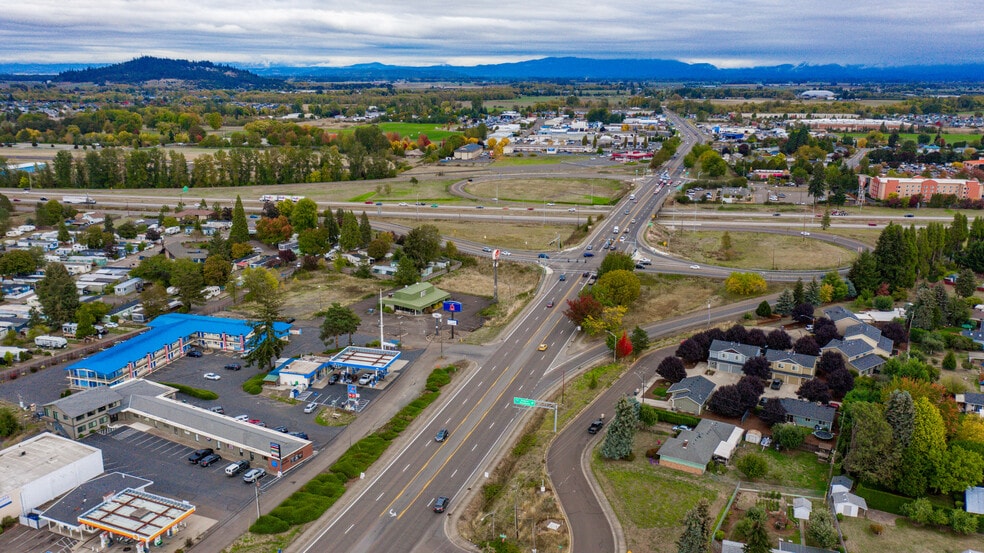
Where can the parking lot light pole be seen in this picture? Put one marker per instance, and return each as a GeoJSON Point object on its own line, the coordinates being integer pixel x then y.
{"type": "Point", "coordinates": [256, 489]}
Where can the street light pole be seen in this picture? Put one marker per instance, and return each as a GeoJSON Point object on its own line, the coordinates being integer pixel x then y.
{"type": "Point", "coordinates": [708, 313]}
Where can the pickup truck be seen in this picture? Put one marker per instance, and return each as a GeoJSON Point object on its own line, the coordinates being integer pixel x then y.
{"type": "Point", "coordinates": [596, 426]}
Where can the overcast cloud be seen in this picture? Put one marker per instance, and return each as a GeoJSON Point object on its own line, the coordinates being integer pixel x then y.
{"type": "Point", "coordinates": [412, 32]}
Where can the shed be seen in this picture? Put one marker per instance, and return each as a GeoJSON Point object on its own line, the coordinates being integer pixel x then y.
{"type": "Point", "coordinates": [802, 508]}
{"type": "Point", "coordinates": [974, 500]}
{"type": "Point", "coordinates": [848, 504]}
{"type": "Point", "coordinates": [753, 436]}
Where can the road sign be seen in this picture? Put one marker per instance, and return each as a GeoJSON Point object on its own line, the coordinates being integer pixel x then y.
{"type": "Point", "coordinates": [452, 322]}
{"type": "Point", "coordinates": [524, 402]}
{"type": "Point", "coordinates": [452, 306]}
{"type": "Point", "coordinates": [495, 254]}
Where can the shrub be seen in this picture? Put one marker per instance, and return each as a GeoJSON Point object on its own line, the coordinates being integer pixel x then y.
{"type": "Point", "coordinates": [269, 524]}
{"type": "Point", "coordinates": [876, 528]}
{"type": "Point", "coordinates": [753, 465]}
{"type": "Point", "coordinates": [193, 392]}
{"type": "Point", "coordinates": [719, 535]}
{"type": "Point", "coordinates": [524, 445]}
{"type": "Point", "coordinates": [648, 415]}
{"type": "Point", "coordinates": [677, 418]}
{"type": "Point", "coordinates": [652, 452]}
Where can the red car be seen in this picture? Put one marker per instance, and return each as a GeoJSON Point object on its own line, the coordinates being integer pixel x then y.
{"type": "Point", "coordinates": [368, 202]}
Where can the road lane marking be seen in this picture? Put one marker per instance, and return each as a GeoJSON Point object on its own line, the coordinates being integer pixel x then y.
{"type": "Point", "coordinates": [405, 468]}
{"type": "Point", "coordinates": [453, 473]}
{"type": "Point", "coordinates": [380, 496]}
{"type": "Point", "coordinates": [349, 528]}
{"type": "Point", "coordinates": [474, 446]}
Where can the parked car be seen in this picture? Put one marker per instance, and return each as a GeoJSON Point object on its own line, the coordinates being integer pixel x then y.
{"type": "Point", "coordinates": [681, 428]}
{"type": "Point", "coordinates": [776, 384]}
{"type": "Point", "coordinates": [242, 418]}
{"type": "Point", "coordinates": [233, 367]}
{"type": "Point", "coordinates": [301, 435]}
{"type": "Point", "coordinates": [237, 467]}
{"type": "Point", "coordinates": [310, 408]}
{"type": "Point", "coordinates": [199, 454]}
{"type": "Point", "coordinates": [333, 378]}
{"type": "Point", "coordinates": [209, 459]}
{"type": "Point", "coordinates": [442, 435]}
{"type": "Point", "coordinates": [281, 428]}
{"type": "Point", "coordinates": [441, 504]}
{"type": "Point", "coordinates": [218, 409]}
{"type": "Point", "coordinates": [365, 379]}
{"type": "Point", "coordinates": [252, 475]}
{"type": "Point", "coordinates": [212, 376]}
{"type": "Point", "coordinates": [194, 353]}
{"type": "Point", "coordinates": [595, 426]}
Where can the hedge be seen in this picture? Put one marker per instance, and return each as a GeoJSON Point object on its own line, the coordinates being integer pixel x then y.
{"type": "Point", "coordinates": [677, 418]}
{"type": "Point", "coordinates": [318, 495]}
{"type": "Point", "coordinates": [193, 392]}
{"type": "Point", "coordinates": [254, 385]}
{"type": "Point", "coordinates": [883, 501]}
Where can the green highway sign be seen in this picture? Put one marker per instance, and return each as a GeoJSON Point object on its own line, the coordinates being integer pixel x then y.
{"type": "Point", "coordinates": [524, 402]}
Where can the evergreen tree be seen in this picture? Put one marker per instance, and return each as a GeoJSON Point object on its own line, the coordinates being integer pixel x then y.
{"type": "Point", "coordinates": [63, 234]}
{"type": "Point", "coordinates": [966, 283]}
{"type": "Point", "coordinates": [57, 294]}
{"type": "Point", "coordinates": [821, 528]}
{"type": "Point", "coordinates": [350, 237]}
{"type": "Point", "coordinates": [900, 414]}
{"type": "Point", "coordinates": [785, 302]}
{"type": "Point", "coordinates": [331, 225]}
{"type": "Point", "coordinates": [267, 296]}
{"type": "Point", "coordinates": [757, 535]}
{"type": "Point", "coordinates": [640, 340]}
{"type": "Point", "coordinates": [696, 529]}
{"type": "Point", "coordinates": [896, 256]}
{"type": "Point", "coordinates": [864, 272]}
{"type": "Point", "coordinates": [186, 275]}
{"type": "Point", "coordinates": [239, 233]}
{"type": "Point", "coordinates": [406, 272]}
{"type": "Point", "coordinates": [799, 292]}
{"type": "Point", "coordinates": [812, 293]}
{"type": "Point", "coordinates": [926, 452]}
{"type": "Point", "coordinates": [621, 431]}
{"type": "Point", "coordinates": [365, 230]}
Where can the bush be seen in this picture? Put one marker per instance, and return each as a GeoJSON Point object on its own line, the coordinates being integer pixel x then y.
{"type": "Point", "coordinates": [652, 452]}
{"type": "Point", "coordinates": [789, 436]}
{"type": "Point", "coordinates": [254, 385]}
{"type": "Point", "coordinates": [876, 528]}
{"type": "Point", "coordinates": [719, 535]}
{"type": "Point", "coordinates": [269, 524]}
{"type": "Point", "coordinates": [753, 465]}
{"type": "Point", "coordinates": [677, 418]}
{"type": "Point", "coordinates": [648, 415]}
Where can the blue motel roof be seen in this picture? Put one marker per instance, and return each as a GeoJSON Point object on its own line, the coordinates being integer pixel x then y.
{"type": "Point", "coordinates": [165, 329]}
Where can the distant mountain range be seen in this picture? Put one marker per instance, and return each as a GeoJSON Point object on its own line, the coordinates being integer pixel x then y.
{"type": "Point", "coordinates": [208, 75]}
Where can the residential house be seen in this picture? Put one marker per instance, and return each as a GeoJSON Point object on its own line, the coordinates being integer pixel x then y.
{"type": "Point", "coordinates": [802, 507]}
{"type": "Point", "coordinates": [864, 348]}
{"type": "Point", "coordinates": [842, 318]}
{"type": "Point", "coordinates": [793, 547]}
{"type": "Point", "coordinates": [841, 484]}
{"type": "Point", "coordinates": [730, 356]}
{"type": "Point", "coordinates": [692, 450]}
{"type": "Point", "coordinates": [971, 402]}
{"type": "Point", "coordinates": [790, 367]}
{"type": "Point", "coordinates": [690, 394]}
{"type": "Point", "coordinates": [808, 414]}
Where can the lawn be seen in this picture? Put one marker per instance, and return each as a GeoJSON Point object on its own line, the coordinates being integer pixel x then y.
{"type": "Point", "coordinates": [901, 536]}
{"type": "Point", "coordinates": [434, 132]}
{"type": "Point", "coordinates": [533, 159]}
{"type": "Point", "coordinates": [950, 138]}
{"type": "Point", "coordinates": [793, 469]}
{"type": "Point", "coordinates": [561, 191]}
{"type": "Point", "coordinates": [753, 250]}
{"type": "Point", "coordinates": [650, 501]}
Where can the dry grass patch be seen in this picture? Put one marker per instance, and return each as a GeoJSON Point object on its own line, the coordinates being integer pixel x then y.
{"type": "Point", "coordinates": [754, 250]}
{"type": "Point", "coordinates": [307, 296]}
{"type": "Point", "coordinates": [665, 296]}
{"type": "Point", "coordinates": [567, 191]}
{"type": "Point", "coordinates": [903, 537]}
{"type": "Point", "coordinates": [500, 234]}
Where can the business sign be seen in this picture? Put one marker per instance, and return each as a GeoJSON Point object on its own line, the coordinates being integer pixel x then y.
{"type": "Point", "coordinates": [274, 450]}
{"type": "Point", "coordinates": [353, 392]}
{"type": "Point", "coordinates": [495, 254]}
{"type": "Point", "coordinates": [524, 402]}
{"type": "Point", "coordinates": [452, 306]}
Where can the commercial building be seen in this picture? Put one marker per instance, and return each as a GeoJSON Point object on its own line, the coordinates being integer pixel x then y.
{"type": "Point", "coordinates": [42, 468]}
{"type": "Point", "coordinates": [170, 337]}
{"type": "Point", "coordinates": [416, 298]}
{"type": "Point", "coordinates": [468, 151]}
{"type": "Point", "coordinates": [883, 187]}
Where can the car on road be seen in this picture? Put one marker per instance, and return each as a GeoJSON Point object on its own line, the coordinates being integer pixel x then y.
{"type": "Point", "coordinates": [212, 376]}
{"type": "Point", "coordinates": [368, 202]}
{"type": "Point", "coordinates": [804, 233]}
{"type": "Point", "coordinates": [194, 353]}
{"type": "Point", "coordinates": [479, 207]}
{"type": "Point", "coordinates": [232, 367]}
{"type": "Point", "coordinates": [640, 266]}
{"type": "Point", "coordinates": [403, 204]}
{"type": "Point", "coordinates": [505, 252]}
{"type": "Point", "coordinates": [681, 428]}
{"type": "Point", "coordinates": [199, 454]}
{"type": "Point", "coordinates": [434, 205]}
{"type": "Point", "coordinates": [909, 215]}
{"type": "Point", "coordinates": [776, 214]}
{"type": "Point", "coordinates": [572, 210]}
{"type": "Point", "coordinates": [585, 274]}
{"type": "Point", "coordinates": [872, 224]}
{"type": "Point", "coordinates": [695, 267]}
{"type": "Point", "coordinates": [595, 426]}
{"type": "Point", "coordinates": [333, 378]}
{"type": "Point", "coordinates": [588, 254]}
{"type": "Point", "coordinates": [626, 211]}
{"type": "Point", "coordinates": [442, 435]}
{"type": "Point", "coordinates": [487, 249]}
{"type": "Point", "coordinates": [312, 407]}
{"type": "Point", "coordinates": [379, 203]}
{"type": "Point", "coordinates": [632, 222]}
{"type": "Point", "coordinates": [441, 504]}
{"type": "Point", "coordinates": [541, 347]}
{"type": "Point", "coordinates": [590, 247]}
{"type": "Point", "coordinates": [563, 277]}
{"type": "Point", "coordinates": [543, 256]}
{"type": "Point", "coordinates": [237, 467]}
{"type": "Point", "coordinates": [551, 204]}
{"type": "Point", "coordinates": [550, 303]}
{"type": "Point", "coordinates": [252, 475]}
{"type": "Point", "coordinates": [365, 379]}
{"type": "Point", "coordinates": [209, 459]}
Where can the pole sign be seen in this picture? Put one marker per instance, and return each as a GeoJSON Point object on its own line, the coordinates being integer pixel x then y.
{"type": "Point", "coordinates": [353, 392]}
{"type": "Point", "coordinates": [452, 306]}
{"type": "Point", "coordinates": [495, 254]}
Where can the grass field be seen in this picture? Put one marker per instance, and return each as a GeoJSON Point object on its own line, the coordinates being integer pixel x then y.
{"type": "Point", "coordinates": [650, 501]}
{"type": "Point", "coordinates": [561, 191]}
{"type": "Point", "coordinates": [515, 160]}
{"type": "Point", "coordinates": [754, 250]}
{"type": "Point", "coordinates": [950, 138]}
{"type": "Point", "coordinates": [902, 537]}
{"type": "Point", "coordinates": [794, 469]}
{"type": "Point", "coordinates": [501, 234]}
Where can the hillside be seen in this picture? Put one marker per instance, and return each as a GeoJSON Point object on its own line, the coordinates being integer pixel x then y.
{"type": "Point", "coordinates": [203, 74]}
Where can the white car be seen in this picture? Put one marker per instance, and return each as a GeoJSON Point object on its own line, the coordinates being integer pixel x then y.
{"type": "Point", "coordinates": [365, 379]}
{"type": "Point", "coordinates": [111, 325]}
{"type": "Point", "coordinates": [403, 204]}
{"type": "Point", "coordinates": [212, 376]}
{"type": "Point", "coordinates": [504, 252]}
{"type": "Point", "coordinates": [310, 408]}
{"type": "Point", "coordinates": [805, 233]}
{"type": "Point", "coordinates": [695, 266]}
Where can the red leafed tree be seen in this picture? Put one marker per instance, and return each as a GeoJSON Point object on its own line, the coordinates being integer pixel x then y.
{"type": "Point", "coordinates": [580, 308]}
{"type": "Point", "coordinates": [623, 348]}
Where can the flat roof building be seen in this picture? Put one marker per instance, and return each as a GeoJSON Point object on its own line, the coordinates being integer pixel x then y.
{"type": "Point", "coordinates": [416, 298]}
{"type": "Point", "coordinates": [883, 187]}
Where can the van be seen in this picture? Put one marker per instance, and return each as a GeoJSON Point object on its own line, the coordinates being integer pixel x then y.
{"type": "Point", "coordinates": [237, 467]}
{"type": "Point", "coordinates": [632, 196]}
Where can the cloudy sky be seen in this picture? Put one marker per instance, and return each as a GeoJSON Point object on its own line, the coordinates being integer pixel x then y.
{"type": "Point", "coordinates": [736, 33]}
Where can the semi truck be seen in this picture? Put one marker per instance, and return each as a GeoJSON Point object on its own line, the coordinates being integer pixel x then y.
{"type": "Point", "coordinates": [78, 200]}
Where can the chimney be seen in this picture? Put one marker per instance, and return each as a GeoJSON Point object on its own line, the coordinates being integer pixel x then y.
{"type": "Point", "coordinates": [685, 442]}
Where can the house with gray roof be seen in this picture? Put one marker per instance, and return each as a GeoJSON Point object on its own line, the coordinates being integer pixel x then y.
{"type": "Point", "coordinates": [730, 356]}
{"type": "Point", "coordinates": [802, 507]}
{"type": "Point", "coordinates": [841, 483]}
{"type": "Point", "coordinates": [848, 504]}
{"type": "Point", "coordinates": [808, 414]}
{"type": "Point", "coordinates": [791, 367]}
{"type": "Point", "coordinates": [690, 394]}
{"type": "Point", "coordinates": [859, 353]}
{"type": "Point", "coordinates": [971, 402]}
{"type": "Point", "coordinates": [842, 318]}
{"type": "Point", "coordinates": [691, 450]}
